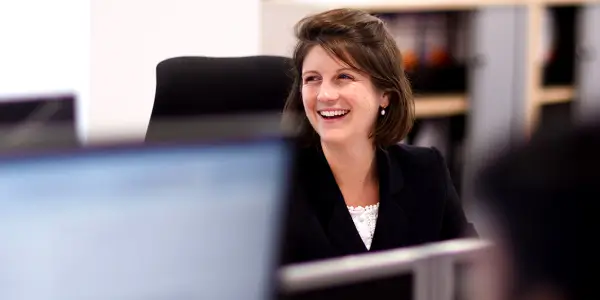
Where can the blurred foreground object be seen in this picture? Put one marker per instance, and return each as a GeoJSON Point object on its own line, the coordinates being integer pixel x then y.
{"type": "Point", "coordinates": [32, 122]}
{"type": "Point", "coordinates": [442, 271]}
{"type": "Point", "coordinates": [180, 221]}
{"type": "Point", "coordinates": [211, 128]}
{"type": "Point", "coordinates": [534, 195]}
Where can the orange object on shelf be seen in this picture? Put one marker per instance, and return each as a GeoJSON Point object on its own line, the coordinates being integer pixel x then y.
{"type": "Point", "coordinates": [438, 57]}
{"type": "Point", "coordinates": [435, 43]}
{"type": "Point", "coordinates": [404, 29]}
{"type": "Point", "coordinates": [410, 60]}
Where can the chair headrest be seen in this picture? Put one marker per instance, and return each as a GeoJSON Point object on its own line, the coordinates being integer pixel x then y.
{"type": "Point", "coordinates": [196, 86]}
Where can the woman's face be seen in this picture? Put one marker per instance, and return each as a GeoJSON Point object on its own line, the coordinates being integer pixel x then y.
{"type": "Point", "coordinates": [341, 103]}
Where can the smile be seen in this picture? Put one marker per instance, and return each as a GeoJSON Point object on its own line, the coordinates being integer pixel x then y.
{"type": "Point", "coordinates": [333, 114]}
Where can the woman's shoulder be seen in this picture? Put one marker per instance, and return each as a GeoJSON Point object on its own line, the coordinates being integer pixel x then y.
{"type": "Point", "coordinates": [408, 158]}
{"type": "Point", "coordinates": [417, 164]}
{"type": "Point", "coordinates": [408, 155]}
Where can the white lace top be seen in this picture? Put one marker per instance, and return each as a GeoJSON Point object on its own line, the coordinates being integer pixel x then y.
{"type": "Point", "coordinates": [365, 219]}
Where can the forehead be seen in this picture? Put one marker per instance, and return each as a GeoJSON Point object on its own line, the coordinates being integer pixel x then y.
{"type": "Point", "coordinates": [318, 59]}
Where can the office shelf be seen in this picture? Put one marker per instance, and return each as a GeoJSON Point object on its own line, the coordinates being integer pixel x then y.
{"type": "Point", "coordinates": [420, 5]}
{"type": "Point", "coordinates": [440, 106]}
{"type": "Point", "coordinates": [564, 2]}
{"type": "Point", "coordinates": [556, 94]}
{"type": "Point", "coordinates": [398, 5]}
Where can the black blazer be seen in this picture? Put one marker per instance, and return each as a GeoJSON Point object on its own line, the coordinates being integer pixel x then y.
{"type": "Point", "coordinates": [418, 204]}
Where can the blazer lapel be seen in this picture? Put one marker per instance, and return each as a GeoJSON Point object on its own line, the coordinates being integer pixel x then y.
{"type": "Point", "coordinates": [326, 199]}
{"type": "Point", "coordinates": [342, 231]}
{"type": "Point", "coordinates": [332, 212]}
{"type": "Point", "coordinates": [391, 230]}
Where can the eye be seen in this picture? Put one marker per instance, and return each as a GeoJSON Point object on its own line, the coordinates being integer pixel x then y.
{"type": "Point", "coordinates": [345, 76]}
{"type": "Point", "coordinates": [308, 79]}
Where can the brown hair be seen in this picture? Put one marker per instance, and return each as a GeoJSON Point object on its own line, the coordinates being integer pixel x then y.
{"type": "Point", "coordinates": [362, 42]}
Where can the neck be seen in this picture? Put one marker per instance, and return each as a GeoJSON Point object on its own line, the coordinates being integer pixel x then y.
{"type": "Point", "coordinates": [351, 166]}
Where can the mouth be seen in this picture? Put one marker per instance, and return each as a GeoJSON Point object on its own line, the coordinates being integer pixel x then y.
{"type": "Point", "coordinates": [333, 114]}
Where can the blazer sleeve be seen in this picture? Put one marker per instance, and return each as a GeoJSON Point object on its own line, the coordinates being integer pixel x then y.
{"type": "Point", "coordinates": [454, 224]}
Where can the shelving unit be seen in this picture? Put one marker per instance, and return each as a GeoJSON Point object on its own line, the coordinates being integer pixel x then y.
{"type": "Point", "coordinates": [440, 106]}
{"type": "Point", "coordinates": [381, 6]}
{"type": "Point", "coordinates": [420, 5]}
{"type": "Point", "coordinates": [506, 93]}
{"type": "Point", "coordinates": [436, 106]}
{"type": "Point", "coordinates": [556, 94]}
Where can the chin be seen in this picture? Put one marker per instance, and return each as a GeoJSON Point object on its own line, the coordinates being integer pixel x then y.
{"type": "Point", "coordinates": [334, 137]}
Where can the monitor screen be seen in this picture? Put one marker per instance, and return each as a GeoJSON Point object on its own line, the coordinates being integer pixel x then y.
{"type": "Point", "coordinates": [185, 222]}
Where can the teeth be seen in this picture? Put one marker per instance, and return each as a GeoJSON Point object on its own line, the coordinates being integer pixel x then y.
{"type": "Point", "coordinates": [333, 113]}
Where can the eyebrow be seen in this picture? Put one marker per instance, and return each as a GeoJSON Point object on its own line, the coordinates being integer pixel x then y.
{"type": "Point", "coordinates": [337, 71]}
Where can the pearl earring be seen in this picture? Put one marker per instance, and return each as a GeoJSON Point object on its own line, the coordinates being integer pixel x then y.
{"type": "Point", "coordinates": [383, 111]}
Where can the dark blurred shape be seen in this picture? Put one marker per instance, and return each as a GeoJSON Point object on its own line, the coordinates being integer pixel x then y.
{"type": "Point", "coordinates": [33, 122]}
{"type": "Point", "coordinates": [433, 80]}
{"type": "Point", "coordinates": [218, 128]}
{"type": "Point", "coordinates": [555, 118]}
{"type": "Point", "coordinates": [561, 65]}
{"type": "Point", "coordinates": [534, 193]}
{"type": "Point", "coordinates": [205, 86]}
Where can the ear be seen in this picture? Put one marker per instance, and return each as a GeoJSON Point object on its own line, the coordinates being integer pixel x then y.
{"type": "Point", "coordinates": [384, 100]}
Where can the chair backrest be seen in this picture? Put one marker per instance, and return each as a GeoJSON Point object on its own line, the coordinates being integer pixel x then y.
{"type": "Point", "coordinates": [208, 86]}
{"type": "Point", "coordinates": [196, 86]}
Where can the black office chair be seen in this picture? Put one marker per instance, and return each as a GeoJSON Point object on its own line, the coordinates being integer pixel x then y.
{"type": "Point", "coordinates": [189, 87]}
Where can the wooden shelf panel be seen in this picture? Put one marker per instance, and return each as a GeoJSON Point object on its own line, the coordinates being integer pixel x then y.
{"type": "Point", "coordinates": [396, 5]}
{"type": "Point", "coordinates": [440, 106]}
{"type": "Point", "coordinates": [420, 5]}
{"type": "Point", "coordinates": [556, 94]}
{"type": "Point", "coordinates": [566, 2]}
{"type": "Point", "coordinates": [457, 104]}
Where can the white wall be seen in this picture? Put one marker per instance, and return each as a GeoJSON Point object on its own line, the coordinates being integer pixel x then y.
{"type": "Point", "coordinates": [129, 37]}
{"type": "Point", "coordinates": [44, 48]}
{"type": "Point", "coordinates": [277, 25]}
{"type": "Point", "coordinates": [107, 50]}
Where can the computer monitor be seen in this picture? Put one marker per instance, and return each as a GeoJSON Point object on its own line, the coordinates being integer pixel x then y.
{"type": "Point", "coordinates": [40, 121]}
{"type": "Point", "coordinates": [181, 221]}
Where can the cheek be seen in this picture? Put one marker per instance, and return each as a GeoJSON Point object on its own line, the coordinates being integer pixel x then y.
{"type": "Point", "coordinates": [368, 107]}
{"type": "Point", "coordinates": [373, 105]}
{"type": "Point", "coordinates": [365, 99]}
{"type": "Point", "coordinates": [309, 104]}
{"type": "Point", "coordinates": [308, 100]}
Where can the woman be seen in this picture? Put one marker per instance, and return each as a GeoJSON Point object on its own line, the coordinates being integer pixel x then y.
{"type": "Point", "coordinates": [357, 190]}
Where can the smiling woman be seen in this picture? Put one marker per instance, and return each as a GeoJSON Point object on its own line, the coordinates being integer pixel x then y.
{"type": "Point", "coordinates": [324, 81]}
{"type": "Point", "coordinates": [349, 54]}
{"type": "Point", "coordinates": [357, 189]}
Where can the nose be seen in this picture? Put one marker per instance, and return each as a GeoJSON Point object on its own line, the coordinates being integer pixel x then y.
{"type": "Point", "coordinates": [327, 92]}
